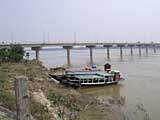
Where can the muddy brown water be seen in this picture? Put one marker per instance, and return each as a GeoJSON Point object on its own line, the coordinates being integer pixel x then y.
{"type": "Point", "coordinates": [139, 91]}
{"type": "Point", "coordinates": [138, 96]}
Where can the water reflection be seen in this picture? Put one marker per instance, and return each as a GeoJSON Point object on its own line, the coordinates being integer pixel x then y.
{"type": "Point", "coordinates": [109, 94]}
{"type": "Point", "coordinates": [108, 90]}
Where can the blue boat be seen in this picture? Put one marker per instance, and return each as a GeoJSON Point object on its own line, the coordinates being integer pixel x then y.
{"type": "Point", "coordinates": [90, 76]}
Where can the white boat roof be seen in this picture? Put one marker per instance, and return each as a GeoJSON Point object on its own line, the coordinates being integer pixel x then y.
{"type": "Point", "coordinates": [99, 72]}
{"type": "Point", "coordinates": [87, 76]}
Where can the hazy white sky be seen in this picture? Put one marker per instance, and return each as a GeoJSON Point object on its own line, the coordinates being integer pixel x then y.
{"type": "Point", "coordinates": [92, 20]}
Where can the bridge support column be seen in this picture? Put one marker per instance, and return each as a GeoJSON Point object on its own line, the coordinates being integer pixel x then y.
{"type": "Point", "coordinates": [91, 53]}
{"type": "Point", "coordinates": [154, 48]}
{"type": "Point", "coordinates": [139, 46]}
{"type": "Point", "coordinates": [108, 57]}
{"type": "Point", "coordinates": [121, 50]}
{"type": "Point", "coordinates": [36, 49]}
{"type": "Point", "coordinates": [146, 50]}
{"type": "Point", "coordinates": [108, 46]}
{"type": "Point", "coordinates": [68, 55]}
{"type": "Point", "coordinates": [131, 46]}
{"type": "Point", "coordinates": [131, 51]}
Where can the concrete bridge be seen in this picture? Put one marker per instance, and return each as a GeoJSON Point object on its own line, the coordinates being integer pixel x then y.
{"type": "Point", "coordinates": [68, 46]}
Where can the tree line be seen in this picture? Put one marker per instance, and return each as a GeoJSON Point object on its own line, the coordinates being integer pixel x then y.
{"type": "Point", "coordinates": [13, 53]}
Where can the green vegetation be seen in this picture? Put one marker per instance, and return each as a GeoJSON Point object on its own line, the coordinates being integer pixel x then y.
{"type": "Point", "coordinates": [8, 71]}
{"type": "Point", "coordinates": [62, 102]}
{"type": "Point", "coordinates": [6, 98]}
{"type": "Point", "coordinates": [14, 53]}
{"type": "Point", "coordinates": [39, 111]}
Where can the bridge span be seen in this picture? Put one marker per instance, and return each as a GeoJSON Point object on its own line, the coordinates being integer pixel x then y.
{"type": "Point", "coordinates": [68, 46]}
{"type": "Point", "coordinates": [76, 44]}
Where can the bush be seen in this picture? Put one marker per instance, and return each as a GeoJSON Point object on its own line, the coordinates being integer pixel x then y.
{"type": "Point", "coordinates": [39, 111]}
{"type": "Point", "coordinates": [16, 53]}
{"type": "Point", "coordinates": [62, 102]}
{"type": "Point", "coordinates": [13, 54]}
{"type": "Point", "coordinates": [4, 54]}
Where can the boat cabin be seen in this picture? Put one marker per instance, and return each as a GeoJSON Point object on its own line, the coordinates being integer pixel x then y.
{"type": "Point", "coordinates": [91, 77]}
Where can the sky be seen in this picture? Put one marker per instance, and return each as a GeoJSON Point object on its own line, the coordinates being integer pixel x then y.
{"type": "Point", "coordinates": [40, 21]}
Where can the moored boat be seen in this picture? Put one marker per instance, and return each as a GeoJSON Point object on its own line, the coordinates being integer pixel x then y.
{"type": "Point", "coordinates": [90, 76]}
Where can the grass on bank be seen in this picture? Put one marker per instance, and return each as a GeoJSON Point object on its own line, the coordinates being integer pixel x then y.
{"type": "Point", "coordinates": [8, 71]}
{"type": "Point", "coordinates": [62, 102]}
{"type": "Point", "coordinates": [6, 98]}
{"type": "Point", "coordinates": [38, 111]}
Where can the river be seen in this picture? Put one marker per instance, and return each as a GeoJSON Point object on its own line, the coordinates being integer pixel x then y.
{"type": "Point", "coordinates": [139, 92]}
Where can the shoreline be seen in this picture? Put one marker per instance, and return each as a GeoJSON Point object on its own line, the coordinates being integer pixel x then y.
{"type": "Point", "coordinates": [44, 92]}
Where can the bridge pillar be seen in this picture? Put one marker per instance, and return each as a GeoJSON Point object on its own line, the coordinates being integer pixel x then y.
{"type": "Point", "coordinates": [131, 46]}
{"type": "Point", "coordinates": [121, 50]}
{"type": "Point", "coordinates": [36, 49]}
{"type": "Point", "coordinates": [68, 55]}
{"type": "Point", "coordinates": [91, 53]}
{"type": "Point", "coordinates": [108, 46]}
{"type": "Point", "coordinates": [139, 46]}
{"type": "Point", "coordinates": [154, 48]}
{"type": "Point", "coordinates": [146, 50]}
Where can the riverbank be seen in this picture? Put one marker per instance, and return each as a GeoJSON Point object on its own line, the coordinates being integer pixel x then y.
{"type": "Point", "coordinates": [49, 100]}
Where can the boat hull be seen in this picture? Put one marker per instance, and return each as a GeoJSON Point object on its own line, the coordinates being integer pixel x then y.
{"type": "Point", "coordinates": [79, 83]}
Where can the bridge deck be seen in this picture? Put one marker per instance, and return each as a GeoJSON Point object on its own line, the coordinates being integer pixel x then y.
{"type": "Point", "coordinates": [79, 44]}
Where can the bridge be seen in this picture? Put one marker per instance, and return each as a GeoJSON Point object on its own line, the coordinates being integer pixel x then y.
{"type": "Point", "coordinates": [68, 46]}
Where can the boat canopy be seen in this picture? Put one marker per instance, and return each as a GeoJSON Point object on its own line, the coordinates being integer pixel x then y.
{"type": "Point", "coordinates": [90, 74]}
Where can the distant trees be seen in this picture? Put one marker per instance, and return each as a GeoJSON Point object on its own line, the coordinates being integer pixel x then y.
{"type": "Point", "coordinates": [14, 53]}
